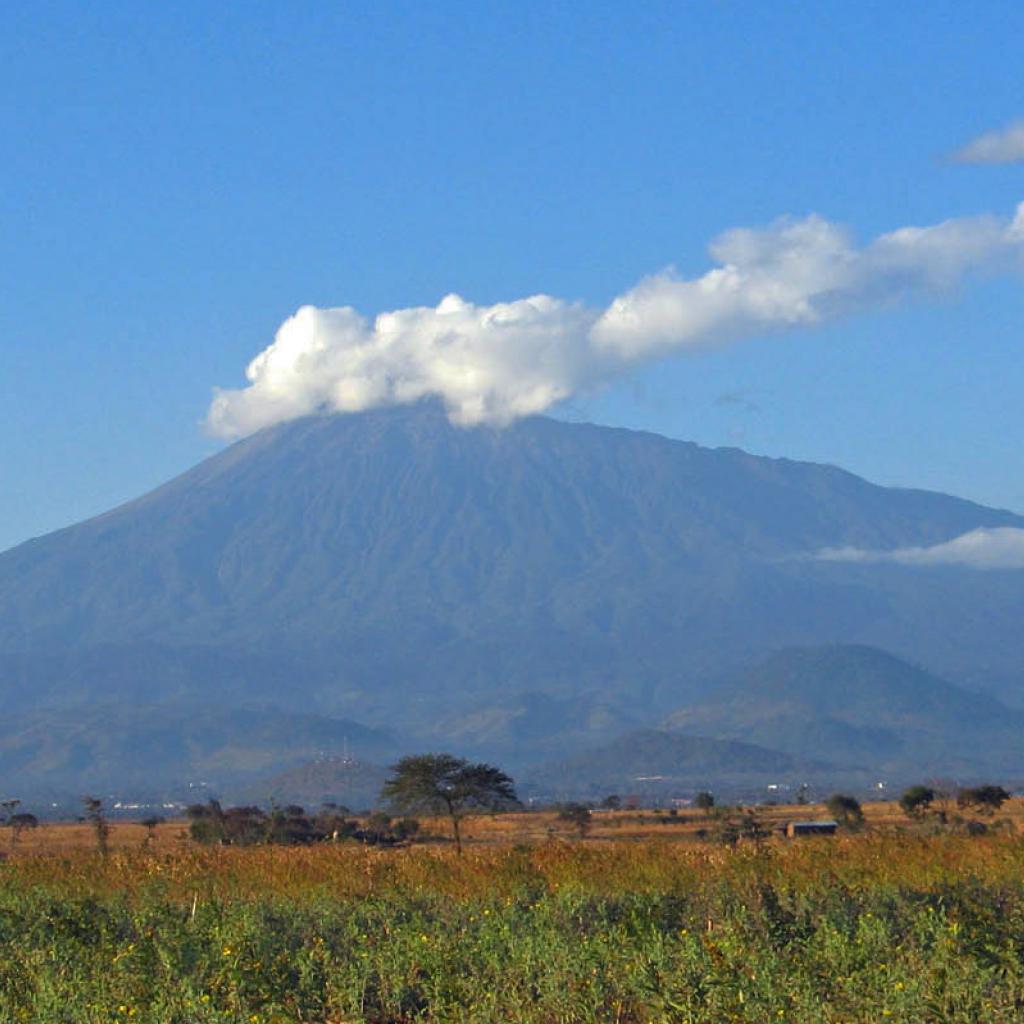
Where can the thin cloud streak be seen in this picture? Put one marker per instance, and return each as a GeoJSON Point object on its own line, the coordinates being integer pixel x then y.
{"type": "Point", "coordinates": [1005, 146]}
{"type": "Point", "coordinates": [985, 548]}
{"type": "Point", "coordinates": [494, 364]}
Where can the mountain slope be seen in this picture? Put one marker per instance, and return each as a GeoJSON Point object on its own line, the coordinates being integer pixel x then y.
{"type": "Point", "coordinates": [391, 555]}
{"type": "Point", "coordinates": [656, 762]}
{"type": "Point", "coordinates": [337, 780]}
{"type": "Point", "coordinates": [862, 708]}
{"type": "Point", "coordinates": [394, 570]}
{"type": "Point", "coordinates": [153, 748]}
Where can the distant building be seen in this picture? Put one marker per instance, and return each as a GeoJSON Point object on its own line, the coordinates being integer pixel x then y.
{"type": "Point", "coordinates": [811, 828]}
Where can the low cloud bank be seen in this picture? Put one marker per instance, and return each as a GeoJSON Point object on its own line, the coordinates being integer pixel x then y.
{"type": "Point", "coordinates": [994, 548]}
{"type": "Point", "coordinates": [493, 364]}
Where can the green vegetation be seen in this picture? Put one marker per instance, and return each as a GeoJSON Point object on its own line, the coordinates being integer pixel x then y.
{"type": "Point", "coordinates": [858, 930]}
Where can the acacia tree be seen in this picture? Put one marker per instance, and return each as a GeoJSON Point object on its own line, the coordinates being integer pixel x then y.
{"type": "Point", "coordinates": [19, 822]}
{"type": "Point", "coordinates": [985, 799]}
{"type": "Point", "coordinates": [444, 784]}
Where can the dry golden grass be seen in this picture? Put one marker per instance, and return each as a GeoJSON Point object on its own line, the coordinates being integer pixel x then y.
{"type": "Point", "coordinates": [478, 830]}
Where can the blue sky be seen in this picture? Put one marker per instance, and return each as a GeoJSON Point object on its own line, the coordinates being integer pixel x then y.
{"type": "Point", "coordinates": [177, 180]}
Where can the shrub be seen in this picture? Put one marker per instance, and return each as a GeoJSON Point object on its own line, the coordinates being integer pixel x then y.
{"type": "Point", "coordinates": [916, 801]}
{"type": "Point", "coordinates": [846, 810]}
{"type": "Point", "coordinates": [984, 799]}
{"type": "Point", "coordinates": [576, 814]}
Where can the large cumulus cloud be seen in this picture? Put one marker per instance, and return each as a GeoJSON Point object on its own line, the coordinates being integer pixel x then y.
{"type": "Point", "coordinates": [492, 364]}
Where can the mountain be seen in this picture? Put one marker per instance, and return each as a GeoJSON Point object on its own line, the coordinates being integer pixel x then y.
{"type": "Point", "coordinates": [526, 728]}
{"type": "Point", "coordinates": [656, 762]}
{"type": "Point", "coordinates": [338, 780]}
{"type": "Point", "coordinates": [861, 708]}
{"type": "Point", "coordinates": [393, 570]}
{"type": "Point", "coordinates": [166, 749]}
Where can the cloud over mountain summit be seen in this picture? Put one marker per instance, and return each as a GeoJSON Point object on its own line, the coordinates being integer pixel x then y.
{"type": "Point", "coordinates": [494, 364]}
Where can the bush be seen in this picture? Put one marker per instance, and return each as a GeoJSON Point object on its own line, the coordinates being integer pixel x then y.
{"type": "Point", "coordinates": [917, 801]}
{"type": "Point", "coordinates": [405, 828]}
{"type": "Point", "coordinates": [576, 814]}
{"type": "Point", "coordinates": [846, 810]}
{"type": "Point", "coordinates": [984, 799]}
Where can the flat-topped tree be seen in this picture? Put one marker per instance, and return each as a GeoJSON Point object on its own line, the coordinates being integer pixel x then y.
{"type": "Point", "coordinates": [449, 785]}
{"type": "Point", "coordinates": [984, 799]}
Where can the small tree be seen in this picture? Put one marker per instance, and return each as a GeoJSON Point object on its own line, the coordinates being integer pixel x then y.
{"type": "Point", "coordinates": [288, 826]}
{"type": "Point", "coordinates": [101, 827]}
{"type": "Point", "coordinates": [846, 810]}
{"type": "Point", "coordinates": [444, 784]}
{"type": "Point", "coordinates": [916, 801]}
{"type": "Point", "coordinates": [7, 809]}
{"type": "Point", "coordinates": [803, 793]}
{"type": "Point", "coordinates": [246, 826]}
{"type": "Point", "coordinates": [704, 801]}
{"type": "Point", "coordinates": [577, 815]}
{"type": "Point", "coordinates": [206, 822]}
{"type": "Point", "coordinates": [150, 825]}
{"type": "Point", "coordinates": [612, 802]}
{"type": "Point", "coordinates": [984, 799]}
{"type": "Point", "coordinates": [19, 822]}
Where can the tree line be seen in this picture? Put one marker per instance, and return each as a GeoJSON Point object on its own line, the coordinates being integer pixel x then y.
{"type": "Point", "coordinates": [442, 785]}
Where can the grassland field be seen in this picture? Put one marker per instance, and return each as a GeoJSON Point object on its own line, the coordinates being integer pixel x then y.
{"type": "Point", "coordinates": [641, 921]}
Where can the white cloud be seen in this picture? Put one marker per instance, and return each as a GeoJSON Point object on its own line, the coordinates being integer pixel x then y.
{"type": "Point", "coordinates": [1005, 146]}
{"type": "Point", "coordinates": [999, 547]}
{"type": "Point", "coordinates": [492, 364]}
{"type": "Point", "coordinates": [489, 363]}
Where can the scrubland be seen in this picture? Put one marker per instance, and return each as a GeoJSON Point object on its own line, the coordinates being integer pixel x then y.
{"type": "Point", "coordinates": [626, 926]}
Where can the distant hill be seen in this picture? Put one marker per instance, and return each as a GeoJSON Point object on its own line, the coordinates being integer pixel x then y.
{"type": "Point", "coordinates": [338, 780]}
{"type": "Point", "coordinates": [523, 728]}
{"type": "Point", "coordinates": [653, 762]}
{"type": "Point", "coordinates": [529, 591]}
{"type": "Point", "coordinates": [160, 748]}
{"type": "Point", "coordinates": [861, 707]}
